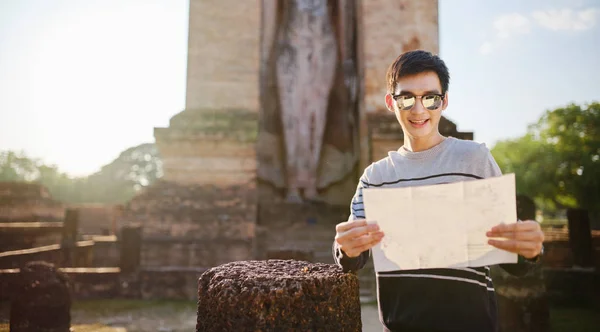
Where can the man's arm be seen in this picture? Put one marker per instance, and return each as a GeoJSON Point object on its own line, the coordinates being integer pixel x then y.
{"type": "Point", "coordinates": [524, 238]}
{"type": "Point", "coordinates": [354, 238]}
{"type": "Point", "coordinates": [349, 264]}
{"type": "Point", "coordinates": [524, 265]}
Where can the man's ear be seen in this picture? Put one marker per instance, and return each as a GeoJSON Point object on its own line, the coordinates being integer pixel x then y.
{"type": "Point", "coordinates": [389, 102]}
{"type": "Point", "coordinates": [445, 103]}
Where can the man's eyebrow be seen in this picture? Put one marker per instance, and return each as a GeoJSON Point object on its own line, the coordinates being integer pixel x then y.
{"type": "Point", "coordinates": [410, 93]}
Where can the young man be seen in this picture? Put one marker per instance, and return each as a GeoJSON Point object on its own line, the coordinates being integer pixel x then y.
{"type": "Point", "coordinates": [430, 299]}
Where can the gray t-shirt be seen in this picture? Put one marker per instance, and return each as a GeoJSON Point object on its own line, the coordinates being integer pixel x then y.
{"type": "Point", "coordinates": [460, 299]}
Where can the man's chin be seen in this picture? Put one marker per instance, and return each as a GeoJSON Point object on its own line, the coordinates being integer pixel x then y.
{"type": "Point", "coordinates": [420, 133]}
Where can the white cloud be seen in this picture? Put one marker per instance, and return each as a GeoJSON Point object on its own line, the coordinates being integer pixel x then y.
{"type": "Point", "coordinates": [508, 26]}
{"type": "Point", "coordinates": [567, 19]}
{"type": "Point", "coordinates": [486, 48]}
{"type": "Point", "coordinates": [511, 24]}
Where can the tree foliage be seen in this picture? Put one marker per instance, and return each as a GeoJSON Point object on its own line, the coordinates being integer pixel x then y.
{"type": "Point", "coordinates": [116, 182]}
{"type": "Point", "coordinates": [558, 160]}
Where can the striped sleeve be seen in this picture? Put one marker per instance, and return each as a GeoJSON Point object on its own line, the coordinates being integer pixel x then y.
{"type": "Point", "coordinates": [357, 211]}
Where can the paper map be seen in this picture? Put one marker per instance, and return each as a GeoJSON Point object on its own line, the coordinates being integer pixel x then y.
{"type": "Point", "coordinates": [441, 226]}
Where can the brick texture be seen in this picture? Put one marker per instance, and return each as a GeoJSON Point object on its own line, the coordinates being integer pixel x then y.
{"type": "Point", "coordinates": [21, 201]}
{"type": "Point", "coordinates": [223, 53]}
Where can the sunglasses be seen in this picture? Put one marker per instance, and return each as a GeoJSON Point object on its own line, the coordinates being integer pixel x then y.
{"type": "Point", "coordinates": [430, 101]}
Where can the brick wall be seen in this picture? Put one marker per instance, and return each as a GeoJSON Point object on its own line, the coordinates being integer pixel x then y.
{"type": "Point", "coordinates": [20, 201]}
{"type": "Point", "coordinates": [194, 225]}
{"type": "Point", "coordinates": [97, 219]}
{"type": "Point", "coordinates": [209, 147]}
{"type": "Point", "coordinates": [223, 54]}
{"type": "Point", "coordinates": [308, 228]}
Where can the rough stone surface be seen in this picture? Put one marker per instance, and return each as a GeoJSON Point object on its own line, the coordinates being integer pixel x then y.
{"type": "Point", "coordinates": [278, 295]}
{"type": "Point", "coordinates": [42, 301]}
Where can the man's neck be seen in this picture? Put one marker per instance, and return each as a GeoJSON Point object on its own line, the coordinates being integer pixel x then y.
{"type": "Point", "coordinates": [422, 143]}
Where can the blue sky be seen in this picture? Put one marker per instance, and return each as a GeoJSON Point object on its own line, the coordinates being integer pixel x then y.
{"type": "Point", "coordinates": [80, 81]}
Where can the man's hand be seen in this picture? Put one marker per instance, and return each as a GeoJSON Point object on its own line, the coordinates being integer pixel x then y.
{"type": "Point", "coordinates": [356, 236]}
{"type": "Point", "coordinates": [523, 238]}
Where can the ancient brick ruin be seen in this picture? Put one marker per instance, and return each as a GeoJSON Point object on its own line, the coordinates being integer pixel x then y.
{"type": "Point", "coordinates": [225, 193]}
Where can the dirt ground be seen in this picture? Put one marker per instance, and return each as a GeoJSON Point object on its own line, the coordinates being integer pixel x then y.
{"type": "Point", "coordinates": [137, 316]}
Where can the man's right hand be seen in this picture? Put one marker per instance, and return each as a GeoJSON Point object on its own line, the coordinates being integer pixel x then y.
{"type": "Point", "coordinates": [356, 236]}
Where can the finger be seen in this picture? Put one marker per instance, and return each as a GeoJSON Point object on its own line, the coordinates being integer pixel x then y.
{"type": "Point", "coordinates": [527, 236]}
{"type": "Point", "coordinates": [366, 239]}
{"type": "Point", "coordinates": [356, 245]}
{"type": "Point", "coordinates": [370, 244]}
{"type": "Point", "coordinates": [356, 232]}
{"type": "Point", "coordinates": [348, 225]}
{"type": "Point", "coordinates": [516, 227]}
{"type": "Point", "coordinates": [513, 245]}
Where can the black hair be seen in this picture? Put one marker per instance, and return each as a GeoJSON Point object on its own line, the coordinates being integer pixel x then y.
{"type": "Point", "coordinates": [416, 62]}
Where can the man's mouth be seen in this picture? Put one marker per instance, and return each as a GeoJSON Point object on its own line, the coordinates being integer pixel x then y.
{"type": "Point", "coordinates": [418, 122]}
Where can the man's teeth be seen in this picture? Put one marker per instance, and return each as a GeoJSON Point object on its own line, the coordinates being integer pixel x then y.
{"type": "Point", "coordinates": [418, 122]}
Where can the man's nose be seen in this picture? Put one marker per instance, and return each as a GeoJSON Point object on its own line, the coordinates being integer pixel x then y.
{"type": "Point", "coordinates": [418, 108]}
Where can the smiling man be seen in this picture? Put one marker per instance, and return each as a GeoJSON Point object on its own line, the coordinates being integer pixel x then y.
{"type": "Point", "coordinates": [460, 299]}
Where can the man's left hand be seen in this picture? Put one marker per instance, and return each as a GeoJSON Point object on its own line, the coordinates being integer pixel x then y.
{"type": "Point", "coordinates": [523, 238]}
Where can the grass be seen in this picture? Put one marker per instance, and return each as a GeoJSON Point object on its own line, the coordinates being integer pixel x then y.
{"type": "Point", "coordinates": [574, 319]}
{"type": "Point", "coordinates": [562, 318]}
{"type": "Point", "coordinates": [554, 222]}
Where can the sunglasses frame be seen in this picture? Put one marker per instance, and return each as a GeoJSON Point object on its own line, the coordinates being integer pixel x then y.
{"type": "Point", "coordinates": [442, 96]}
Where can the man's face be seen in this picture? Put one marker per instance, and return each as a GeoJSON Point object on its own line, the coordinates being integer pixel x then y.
{"type": "Point", "coordinates": [417, 90]}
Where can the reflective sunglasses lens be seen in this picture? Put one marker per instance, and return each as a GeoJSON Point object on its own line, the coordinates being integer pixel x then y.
{"type": "Point", "coordinates": [432, 102]}
{"type": "Point", "coordinates": [407, 103]}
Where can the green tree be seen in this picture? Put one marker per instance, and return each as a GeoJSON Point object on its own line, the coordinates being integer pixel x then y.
{"type": "Point", "coordinates": [558, 160]}
{"type": "Point", "coordinates": [16, 166]}
{"type": "Point", "coordinates": [117, 182]}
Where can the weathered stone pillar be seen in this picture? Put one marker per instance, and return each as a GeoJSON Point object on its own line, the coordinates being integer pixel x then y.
{"type": "Point", "coordinates": [522, 300]}
{"type": "Point", "coordinates": [207, 196]}
{"type": "Point", "coordinates": [69, 236]}
{"type": "Point", "coordinates": [580, 237]}
{"type": "Point", "coordinates": [131, 245]}
{"type": "Point", "coordinates": [41, 301]}
{"type": "Point", "coordinates": [278, 295]}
